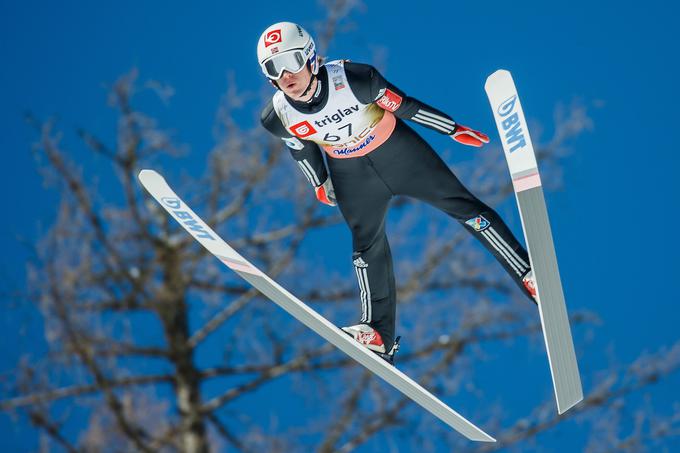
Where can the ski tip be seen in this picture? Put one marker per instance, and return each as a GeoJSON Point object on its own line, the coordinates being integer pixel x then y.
{"type": "Point", "coordinates": [499, 74]}
{"type": "Point", "coordinates": [145, 173]}
{"type": "Point", "coordinates": [148, 175]}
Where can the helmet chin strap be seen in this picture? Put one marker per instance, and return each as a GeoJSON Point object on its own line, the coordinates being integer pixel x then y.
{"type": "Point", "coordinates": [311, 81]}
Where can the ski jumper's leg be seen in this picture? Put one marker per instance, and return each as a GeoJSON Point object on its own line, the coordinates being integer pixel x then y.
{"type": "Point", "coordinates": [363, 199]}
{"type": "Point", "coordinates": [416, 170]}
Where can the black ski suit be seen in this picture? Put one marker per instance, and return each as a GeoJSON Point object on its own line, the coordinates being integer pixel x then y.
{"type": "Point", "coordinates": [390, 159]}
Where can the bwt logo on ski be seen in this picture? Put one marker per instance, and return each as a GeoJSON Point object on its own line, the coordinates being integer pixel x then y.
{"type": "Point", "coordinates": [186, 218]}
{"type": "Point", "coordinates": [511, 125]}
{"type": "Point", "coordinates": [172, 203]}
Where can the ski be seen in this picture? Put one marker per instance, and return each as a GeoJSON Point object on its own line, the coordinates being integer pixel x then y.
{"type": "Point", "coordinates": [156, 185]}
{"type": "Point", "coordinates": [519, 153]}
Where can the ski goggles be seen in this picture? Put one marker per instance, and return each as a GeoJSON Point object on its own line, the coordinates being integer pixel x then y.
{"type": "Point", "coordinates": [292, 61]}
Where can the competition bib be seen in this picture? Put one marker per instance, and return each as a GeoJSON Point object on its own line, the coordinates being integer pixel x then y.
{"type": "Point", "coordinates": [344, 127]}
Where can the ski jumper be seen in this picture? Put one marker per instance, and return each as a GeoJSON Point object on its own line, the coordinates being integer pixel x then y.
{"type": "Point", "coordinates": [356, 118]}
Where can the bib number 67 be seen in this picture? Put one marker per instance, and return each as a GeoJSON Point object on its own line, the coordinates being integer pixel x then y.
{"type": "Point", "coordinates": [335, 138]}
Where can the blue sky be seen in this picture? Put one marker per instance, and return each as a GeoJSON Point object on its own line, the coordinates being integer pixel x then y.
{"type": "Point", "coordinates": [613, 222]}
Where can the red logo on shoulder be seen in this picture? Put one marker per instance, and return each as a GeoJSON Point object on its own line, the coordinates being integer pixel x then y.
{"type": "Point", "coordinates": [390, 101]}
{"type": "Point", "coordinates": [303, 129]}
{"type": "Point", "coordinates": [272, 37]}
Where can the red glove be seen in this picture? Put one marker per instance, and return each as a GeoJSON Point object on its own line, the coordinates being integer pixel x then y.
{"type": "Point", "coordinates": [325, 193]}
{"type": "Point", "coordinates": [468, 136]}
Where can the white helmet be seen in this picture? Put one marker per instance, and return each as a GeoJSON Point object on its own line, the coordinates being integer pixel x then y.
{"type": "Point", "coordinates": [288, 46]}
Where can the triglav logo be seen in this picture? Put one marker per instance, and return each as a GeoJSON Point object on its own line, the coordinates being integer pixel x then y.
{"type": "Point", "coordinates": [172, 203]}
{"type": "Point", "coordinates": [272, 37]}
{"type": "Point", "coordinates": [514, 136]}
{"type": "Point", "coordinates": [337, 117]}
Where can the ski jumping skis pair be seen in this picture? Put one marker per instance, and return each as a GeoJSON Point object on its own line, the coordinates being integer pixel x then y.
{"type": "Point", "coordinates": [553, 316]}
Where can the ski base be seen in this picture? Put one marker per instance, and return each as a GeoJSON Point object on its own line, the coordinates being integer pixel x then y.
{"type": "Point", "coordinates": [519, 153]}
{"type": "Point", "coordinates": [552, 306]}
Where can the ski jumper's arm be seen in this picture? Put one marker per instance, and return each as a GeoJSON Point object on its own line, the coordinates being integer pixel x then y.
{"type": "Point", "coordinates": [368, 85]}
{"type": "Point", "coordinates": [307, 154]}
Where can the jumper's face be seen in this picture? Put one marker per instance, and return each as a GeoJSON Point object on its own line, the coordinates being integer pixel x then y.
{"type": "Point", "coordinates": [294, 84]}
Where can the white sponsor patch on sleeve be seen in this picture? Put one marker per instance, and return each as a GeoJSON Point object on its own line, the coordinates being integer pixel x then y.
{"type": "Point", "coordinates": [293, 142]}
{"type": "Point", "coordinates": [380, 94]}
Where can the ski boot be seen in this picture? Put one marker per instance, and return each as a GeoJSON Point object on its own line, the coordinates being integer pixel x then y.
{"type": "Point", "coordinates": [530, 285]}
{"type": "Point", "coordinates": [369, 337]}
